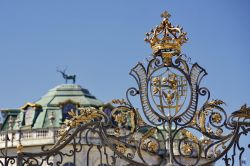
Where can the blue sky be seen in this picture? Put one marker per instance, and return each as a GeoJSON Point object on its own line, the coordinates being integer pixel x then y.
{"type": "Point", "coordinates": [100, 41]}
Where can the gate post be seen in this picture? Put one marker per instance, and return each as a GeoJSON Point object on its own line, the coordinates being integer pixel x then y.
{"type": "Point", "coordinates": [19, 159]}
{"type": "Point", "coordinates": [19, 154]}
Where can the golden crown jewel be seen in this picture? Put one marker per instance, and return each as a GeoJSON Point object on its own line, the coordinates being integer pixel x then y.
{"type": "Point", "coordinates": [166, 38]}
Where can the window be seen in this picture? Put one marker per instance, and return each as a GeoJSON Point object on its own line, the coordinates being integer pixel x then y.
{"type": "Point", "coordinates": [67, 108]}
{"type": "Point", "coordinates": [69, 164]}
{"type": "Point", "coordinates": [29, 116]}
{"type": "Point", "coordinates": [30, 113]}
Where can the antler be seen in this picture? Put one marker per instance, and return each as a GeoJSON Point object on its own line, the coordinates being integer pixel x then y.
{"type": "Point", "coordinates": [62, 71]}
{"type": "Point", "coordinates": [57, 69]}
{"type": "Point", "coordinates": [65, 69]}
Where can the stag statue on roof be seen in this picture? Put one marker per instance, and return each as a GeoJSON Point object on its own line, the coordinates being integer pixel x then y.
{"type": "Point", "coordinates": [66, 76]}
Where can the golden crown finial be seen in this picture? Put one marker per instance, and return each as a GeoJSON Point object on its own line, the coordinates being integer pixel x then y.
{"type": "Point", "coordinates": [165, 38]}
{"type": "Point", "coordinates": [166, 15]}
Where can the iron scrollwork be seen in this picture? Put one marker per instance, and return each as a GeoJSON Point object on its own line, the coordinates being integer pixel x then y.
{"type": "Point", "coordinates": [173, 126]}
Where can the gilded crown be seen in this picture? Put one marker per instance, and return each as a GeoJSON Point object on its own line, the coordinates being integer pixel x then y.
{"type": "Point", "coordinates": [166, 38]}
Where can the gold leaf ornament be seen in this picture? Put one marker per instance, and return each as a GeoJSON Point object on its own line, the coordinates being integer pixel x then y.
{"type": "Point", "coordinates": [156, 81]}
{"type": "Point", "coordinates": [216, 117]}
{"type": "Point", "coordinates": [187, 148]}
{"type": "Point", "coordinates": [121, 148]}
{"type": "Point", "coordinates": [202, 121]}
{"type": "Point", "coordinates": [155, 90]}
{"type": "Point", "coordinates": [190, 136]}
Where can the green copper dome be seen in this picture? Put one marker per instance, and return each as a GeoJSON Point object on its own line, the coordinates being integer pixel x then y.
{"type": "Point", "coordinates": [65, 92]}
{"type": "Point", "coordinates": [52, 108]}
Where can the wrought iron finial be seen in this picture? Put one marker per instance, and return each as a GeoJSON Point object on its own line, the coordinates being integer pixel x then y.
{"type": "Point", "coordinates": [165, 39]}
{"type": "Point", "coordinates": [19, 148]}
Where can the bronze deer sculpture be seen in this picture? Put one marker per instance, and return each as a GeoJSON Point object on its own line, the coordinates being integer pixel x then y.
{"type": "Point", "coordinates": [67, 77]}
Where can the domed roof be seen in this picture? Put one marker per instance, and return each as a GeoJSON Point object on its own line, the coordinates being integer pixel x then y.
{"type": "Point", "coordinates": [66, 92]}
{"type": "Point", "coordinates": [54, 103]}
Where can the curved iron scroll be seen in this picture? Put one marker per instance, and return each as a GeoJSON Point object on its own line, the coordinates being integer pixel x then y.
{"type": "Point", "coordinates": [179, 124]}
{"type": "Point", "coordinates": [171, 128]}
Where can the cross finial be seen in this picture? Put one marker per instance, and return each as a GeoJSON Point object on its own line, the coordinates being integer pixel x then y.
{"type": "Point", "coordinates": [165, 15]}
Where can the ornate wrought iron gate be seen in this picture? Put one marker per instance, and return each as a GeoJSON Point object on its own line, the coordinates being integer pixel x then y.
{"type": "Point", "coordinates": [173, 128]}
